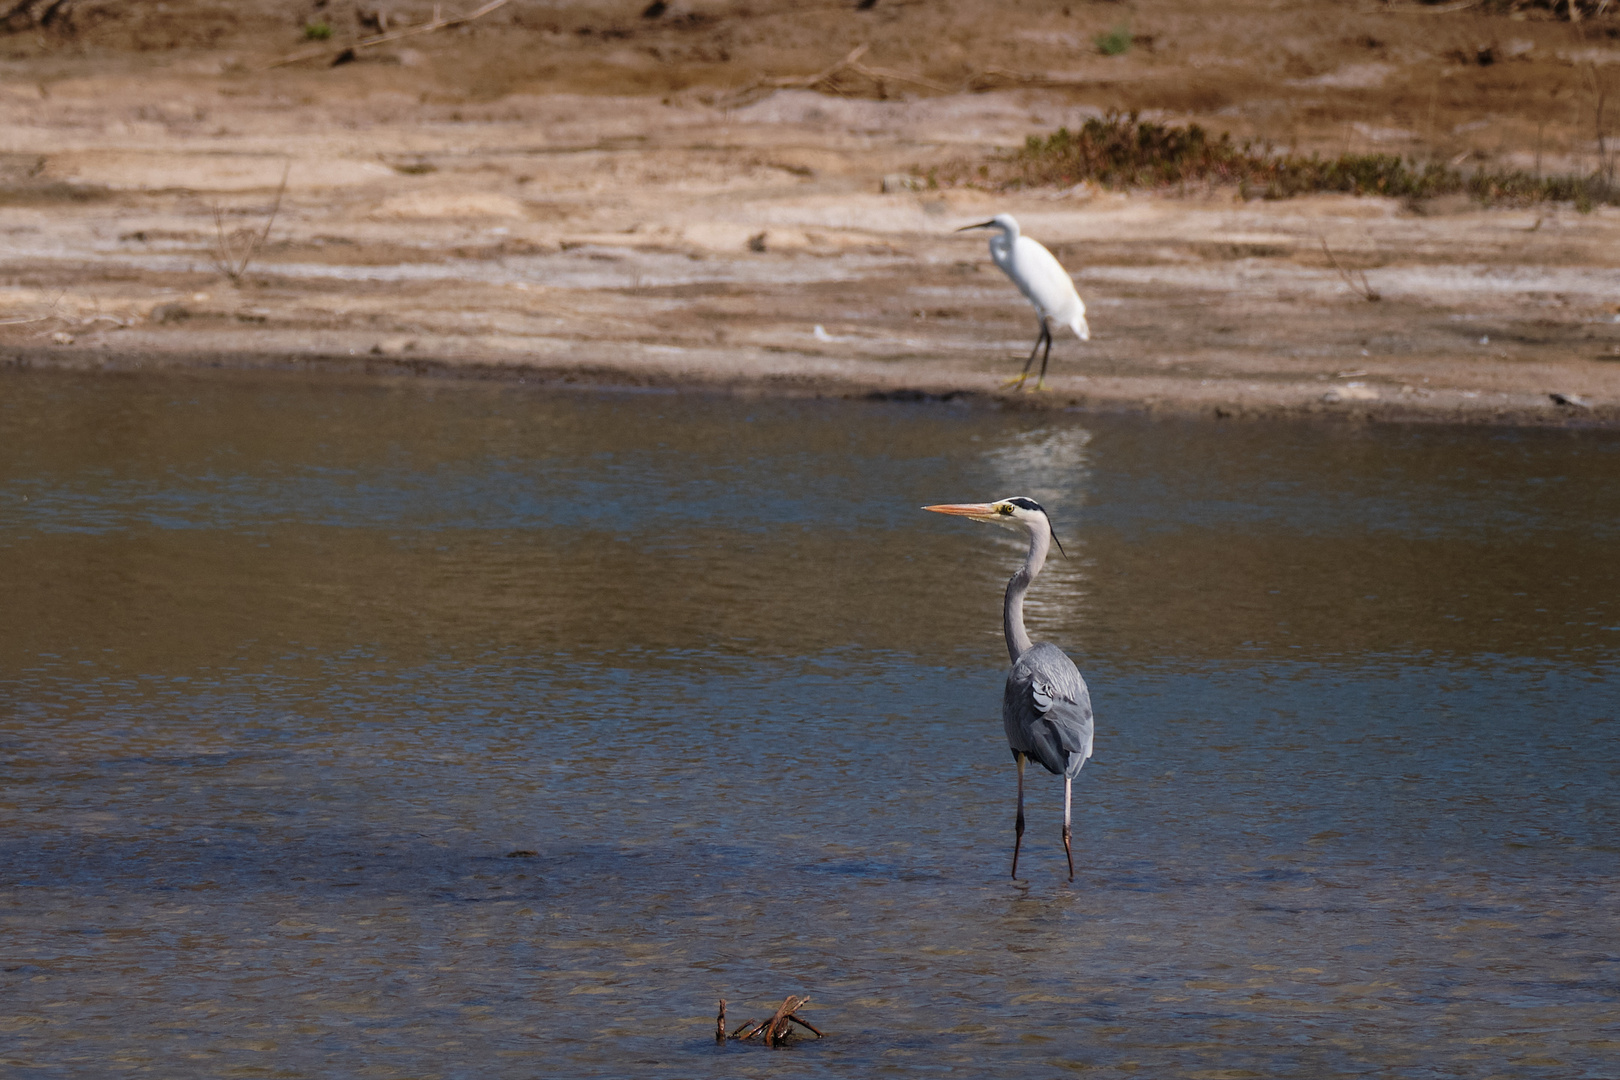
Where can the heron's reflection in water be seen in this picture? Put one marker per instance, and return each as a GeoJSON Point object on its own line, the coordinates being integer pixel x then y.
{"type": "Point", "coordinates": [1051, 465]}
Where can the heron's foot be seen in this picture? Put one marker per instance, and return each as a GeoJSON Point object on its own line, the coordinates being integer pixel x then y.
{"type": "Point", "coordinates": [1016, 382]}
{"type": "Point", "coordinates": [1042, 388]}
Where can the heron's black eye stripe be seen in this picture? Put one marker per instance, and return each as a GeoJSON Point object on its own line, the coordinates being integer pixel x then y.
{"type": "Point", "coordinates": [1026, 504]}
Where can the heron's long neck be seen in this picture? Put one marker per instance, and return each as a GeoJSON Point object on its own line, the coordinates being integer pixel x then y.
{"type": "Point", "coordinates": [1012, 612]}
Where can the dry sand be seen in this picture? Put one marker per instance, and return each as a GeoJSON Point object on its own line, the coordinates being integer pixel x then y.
{"type": "Point", "coordinates": [479, 203]}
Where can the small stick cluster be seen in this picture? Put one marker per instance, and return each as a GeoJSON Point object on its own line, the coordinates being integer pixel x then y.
{"type": "Point", "coordinates": [776, 1031]}
{"type": "Point", "coordinates": [1355, 281]}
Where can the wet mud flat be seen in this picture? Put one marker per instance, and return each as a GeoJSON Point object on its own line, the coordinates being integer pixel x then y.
{"type": "Point", "coordinates": [673, 242]}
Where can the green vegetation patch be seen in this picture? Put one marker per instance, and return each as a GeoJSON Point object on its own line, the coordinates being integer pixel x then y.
{"type": "Point", "coordinates": [1124, 151]}
{"type": "Point", "coordinates": [1115, 42]}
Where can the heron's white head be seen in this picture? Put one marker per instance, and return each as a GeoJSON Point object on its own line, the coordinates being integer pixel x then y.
{"type": "Point", "coordinates": [1018, 512]}
{"type": "Point", "coordinates": [1005, 222]}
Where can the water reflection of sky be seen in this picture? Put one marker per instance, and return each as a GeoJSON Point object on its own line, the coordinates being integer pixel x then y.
{"type": "Point", "coordinates": [1156, 478]}
{"type": "Point", "coordinates": [289, 674]}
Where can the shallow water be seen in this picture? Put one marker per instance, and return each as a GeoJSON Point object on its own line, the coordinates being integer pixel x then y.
{"type": "Point", "coordinates": [289, 672]}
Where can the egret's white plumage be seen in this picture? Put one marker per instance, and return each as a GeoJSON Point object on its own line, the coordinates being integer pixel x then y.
{"type": "Point", "coordinates": [1042, 280]}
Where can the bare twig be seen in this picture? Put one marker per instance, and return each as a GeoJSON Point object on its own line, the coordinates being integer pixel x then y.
{"type": "Point", "coordinates": [439, 22]}
{"type": "Point", "coordinates": [225, 258]}
{"type": "Point", "coordinates": [796, 82]}
{"type": "Point", "coordinates": [776, 1029]}
{"type": "Point", "coordinates": [807, 81]}
{"type": "Point", "coordinates": [50, 313]}
{"type": "Point", "coordinates": [1600, 93]}
{"type": "Point", "coordinates": [1357, 283]}
{"type": "Point", "coordinates": [879, 74]}
{"type": "Point", "coordinates": [753, 1028]}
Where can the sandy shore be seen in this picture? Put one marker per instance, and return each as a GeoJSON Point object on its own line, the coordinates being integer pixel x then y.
{"type": "Point", "coordinates": [663, 241]}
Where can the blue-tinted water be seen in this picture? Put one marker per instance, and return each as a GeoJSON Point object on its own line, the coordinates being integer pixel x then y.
{"type": "Point", "coordinates": [290, 672]}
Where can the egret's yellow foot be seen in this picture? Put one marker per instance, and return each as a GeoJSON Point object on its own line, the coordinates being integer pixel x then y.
{"type": "Point", "coordinates": [1017, 381]}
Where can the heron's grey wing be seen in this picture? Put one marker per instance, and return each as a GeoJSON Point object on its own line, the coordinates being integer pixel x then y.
{"type": "Point", "coordinates": [1046, 709]}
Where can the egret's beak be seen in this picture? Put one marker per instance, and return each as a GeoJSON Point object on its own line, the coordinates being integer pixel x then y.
{"type": "Point", "coordinates": [977, 511]}
{"type": "Point", "coordinates": [965, 228]}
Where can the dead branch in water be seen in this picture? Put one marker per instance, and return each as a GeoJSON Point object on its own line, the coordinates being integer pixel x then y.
{"type": "Point", "coordinates": [776, 1031]}
{"type": "Point", "coordinates": [437, 23]}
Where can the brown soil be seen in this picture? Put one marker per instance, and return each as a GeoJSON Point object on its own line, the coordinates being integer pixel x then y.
{"type": "Point", "coordinates": [578, 192]}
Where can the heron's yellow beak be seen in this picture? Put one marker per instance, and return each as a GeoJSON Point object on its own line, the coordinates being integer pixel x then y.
{"type": "Point", "coordinates": [976, 511]}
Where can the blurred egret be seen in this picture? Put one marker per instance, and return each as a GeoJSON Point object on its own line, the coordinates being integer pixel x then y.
{"type": "Point", "coordinates": [1044, 283]}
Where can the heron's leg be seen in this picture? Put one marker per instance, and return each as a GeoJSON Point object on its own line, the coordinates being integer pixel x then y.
{"type": "Point", "coordinates": [1040, 383]}
{"type": "Point", "coordinates": [1068, 787]}
{"type": "Point", "coordinates": [1018, 828]}
{"type": "Point", "coordinates": [1044, 336]}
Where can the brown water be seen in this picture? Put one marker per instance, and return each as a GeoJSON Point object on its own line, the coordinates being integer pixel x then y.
{"type": "Point", "coordinates": [287, 672]}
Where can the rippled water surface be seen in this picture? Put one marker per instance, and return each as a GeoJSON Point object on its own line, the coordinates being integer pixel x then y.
{"type": "Point", "coordinates": [470, 731]}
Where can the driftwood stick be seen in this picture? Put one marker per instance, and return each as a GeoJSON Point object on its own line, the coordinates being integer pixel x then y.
{"type": "Point", "coordinates": [776, 1028]}
{"type": "Point", "coordinates": [439, 22]}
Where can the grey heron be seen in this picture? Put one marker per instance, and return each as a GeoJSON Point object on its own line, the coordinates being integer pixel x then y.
{"type": "Point", "coordinates": [1044, 283]}
{"type": "Point", "coordinates": [1045, 708]}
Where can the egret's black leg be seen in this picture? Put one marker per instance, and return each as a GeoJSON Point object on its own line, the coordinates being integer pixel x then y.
{"type": "Point", "coordinates": [1044, 337]}
{"type": "Point", "coordinates": [1040, 383]}
{"type": "Point", "coordinates": [1018, 828]}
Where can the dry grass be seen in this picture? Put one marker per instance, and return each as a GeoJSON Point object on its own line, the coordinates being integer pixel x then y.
{"type": "Point", "coordinates": [234, 251]}
{"type": "Point", "coordinates": [1123, 151]}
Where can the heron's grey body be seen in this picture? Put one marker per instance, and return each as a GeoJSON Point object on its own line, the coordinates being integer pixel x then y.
{"type": "Point", "coordinates": [1045, 708]}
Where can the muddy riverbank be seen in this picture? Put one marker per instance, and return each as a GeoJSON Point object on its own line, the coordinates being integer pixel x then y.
{"type": "Point", "coordinates": [751, 237]}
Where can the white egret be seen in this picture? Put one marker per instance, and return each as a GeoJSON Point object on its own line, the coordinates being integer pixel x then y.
{"type": "Point", "coordinates": [1044, 283]}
